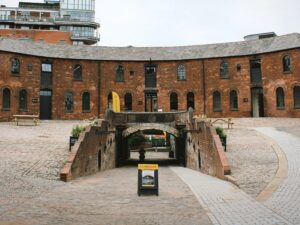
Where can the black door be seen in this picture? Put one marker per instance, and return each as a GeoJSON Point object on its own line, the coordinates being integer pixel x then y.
{"type": "Point", "coordinates": [150, 102]}
{"type": "Point", "coordinates": [45, 104]}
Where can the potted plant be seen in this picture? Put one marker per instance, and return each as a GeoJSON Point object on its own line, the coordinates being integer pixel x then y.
{"type": "Point", "coordinates": [223, 137]}
{"type": "Point", "coordinates": [75, 135]}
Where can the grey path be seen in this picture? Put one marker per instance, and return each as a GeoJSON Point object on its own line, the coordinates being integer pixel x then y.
{"type": "Point", "coordinates": [226, 204]}
{"type": "Point", "coordinates": [286, 200]}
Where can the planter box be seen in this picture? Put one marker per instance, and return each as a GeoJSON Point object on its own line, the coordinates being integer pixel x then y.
{"type": "Point", "coordinates": [72, 142]}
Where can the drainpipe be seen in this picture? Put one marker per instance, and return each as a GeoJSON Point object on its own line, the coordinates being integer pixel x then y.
{"type": "Point", "coordinates": [99, 87]}
{"type": "Point", "coordinates": [204, 87]}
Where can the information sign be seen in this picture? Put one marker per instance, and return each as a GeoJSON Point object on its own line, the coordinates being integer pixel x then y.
{"type": "Point", "coordinates": [147, 179]}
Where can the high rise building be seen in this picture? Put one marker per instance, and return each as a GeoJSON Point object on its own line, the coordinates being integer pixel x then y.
{"type": "Point", "coordinates": [74, 16]}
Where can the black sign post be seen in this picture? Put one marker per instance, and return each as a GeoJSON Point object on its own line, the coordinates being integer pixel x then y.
{"type": "Point", "coordinates": [147, 179]}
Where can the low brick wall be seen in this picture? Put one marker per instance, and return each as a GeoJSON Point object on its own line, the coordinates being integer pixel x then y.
{"type": "Point", "coordinates": [94, 151]}
{"type": "Point", "coordinates": [205, 152]}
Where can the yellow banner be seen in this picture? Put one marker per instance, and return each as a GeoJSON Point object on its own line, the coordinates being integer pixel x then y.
{"type": "Point", "coordinates": [116, 102]}
{"type": "Point", "coordinates": [148, 166]}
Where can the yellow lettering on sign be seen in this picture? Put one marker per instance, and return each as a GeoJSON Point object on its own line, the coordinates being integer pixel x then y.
{"type": "Point", "coordinates": [148, 166]}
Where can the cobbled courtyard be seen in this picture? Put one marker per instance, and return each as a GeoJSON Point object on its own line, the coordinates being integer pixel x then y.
{"type": "Point", "coordinates": [31, 193]}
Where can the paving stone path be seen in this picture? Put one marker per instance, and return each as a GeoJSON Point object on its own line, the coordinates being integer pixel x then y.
{"type": "Point", "coordinates": [110, 198]}
{"type": "Point", "coordinates": [225, 203]}
{"type": "Point", "coordinates": [286, 200]}
{"type": "Point", "coordinates": [30, 192]}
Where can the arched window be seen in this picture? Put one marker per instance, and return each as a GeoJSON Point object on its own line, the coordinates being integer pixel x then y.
{"type": "Point", "coordinates": [77, 72]}
{"type": "Point", "coordinates": [280, 97]}
{"type": "Point", "coordinates": [297, 96]}
{"type": "Point", "coordinates": [23, 100]}
{"type": "Point", "coordinates": [110, 101]}
{"type": "Point", "coordinates": [224, 71]}
{"type": "Point", "coordinates": [86, 102]}
{"type": "Point", "coordinates": [120, 73]}
{"type": "Point", "coordinates": [15, 66]}
{"type": "Point", "coordinates": [6, 99]}
{"type": "Point", "coordinates": [190, 100]}
{"type": "Point", "coordinates": [217, 101]}
{"type": "Point", "coordinates": [69, 102]}
{"type": "Point", "coordinates": [128, 102]}
{"type": "Point", "coordinates": [286, 63]}
{"type": "Point", "coordinates": [233, 100]}
{"type": "Point", "coordinates": [173, 101]}
{"type": "Point", "coordinates": [181, 72]}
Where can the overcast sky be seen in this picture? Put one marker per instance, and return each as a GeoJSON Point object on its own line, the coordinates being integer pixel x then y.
{"type": "Point", "coordinates": [189, 22]}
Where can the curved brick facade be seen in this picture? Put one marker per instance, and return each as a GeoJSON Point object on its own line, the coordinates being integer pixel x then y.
{"type": "Point", "coordinates": [202, 79]}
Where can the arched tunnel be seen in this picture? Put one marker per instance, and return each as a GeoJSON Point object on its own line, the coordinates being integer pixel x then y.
{"type": "Point", "coordinates": [176, 135]}
{"type": "Point", "coordinates": [162, 144]}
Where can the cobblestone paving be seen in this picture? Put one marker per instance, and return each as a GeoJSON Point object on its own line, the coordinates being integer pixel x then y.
{"type": "Point", "coordinates": [226, 204]}
{"type": "Point", "coordinates": [265, 122]}
{"type": "Point", "coordinates": [253, 162]}
{"type": "Point", "coordinates": [286, 200]}
{"type": "Point", "coordinates": [30, 193]}
{"type": "Point", "coordinates": [251, 156]}
{"type": "Point", "coordinates": [111, 198]}
{"type": "Point", "coordinates": [31, 158]}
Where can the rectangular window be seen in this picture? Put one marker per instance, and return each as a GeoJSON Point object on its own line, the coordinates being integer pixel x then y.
{"type": "Point", "coordinates": [256, 75]}
{"type": "Point", "coordinates": [150, 77]}
{"type": "Point", "coordinates": [46, 67]}
{"type": "Point", "coordinates": [46, 76]}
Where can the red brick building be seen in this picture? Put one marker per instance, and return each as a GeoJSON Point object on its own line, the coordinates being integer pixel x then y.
{"type": "Point", "coordinates": [239, 79]}
{"type": "Point", "coordinates": [48, 36]}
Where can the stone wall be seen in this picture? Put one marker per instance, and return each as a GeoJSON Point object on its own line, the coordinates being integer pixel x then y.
{"type": "Point", "coordinates": [94, 151]}
{"type": "Point", "coordinates": [205, 152]}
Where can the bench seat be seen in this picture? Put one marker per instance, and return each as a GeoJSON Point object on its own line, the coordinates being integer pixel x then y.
{"type": "Point", "coordinates": [23, 118]}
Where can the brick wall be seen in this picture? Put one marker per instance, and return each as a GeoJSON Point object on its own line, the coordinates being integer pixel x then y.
{"type": "Point", "coordinates": [274, 77]}
{"type": "Point", "coordinates": [205, 152]}
{"type": "Point", "coordinates": [202, 78]}
{"type": "Point", "coordinates": [83, 160]}
{"type": "Point", "coordinates": [28, 80]}
{"type": "Point", "coordinates": [63, 82]}
{"type": "Point", "coordinates": [48, 36]}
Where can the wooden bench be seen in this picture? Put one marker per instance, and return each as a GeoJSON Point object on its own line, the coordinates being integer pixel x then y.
{"type": "Point", "coordinates": [228, 121]}
{"type": "Point", "coordinates": [23, 118]}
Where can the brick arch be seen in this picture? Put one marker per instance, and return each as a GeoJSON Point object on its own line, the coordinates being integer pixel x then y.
{"type": "Point", "coordinates": [150, 126]}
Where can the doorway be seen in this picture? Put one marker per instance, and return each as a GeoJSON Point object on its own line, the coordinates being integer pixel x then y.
{"type": "Point", "coordinates": [45, 104]}
{"type": "Point", "coordinates": [257, 101]}
{"type": "Point", "coordinates": [150, 102]}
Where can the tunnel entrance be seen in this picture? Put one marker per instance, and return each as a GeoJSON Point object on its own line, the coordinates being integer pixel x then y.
{"type": "Point", "coordinates": [165, 137]}
{"type": "Point", "coordinates": [160, 144]}
{"type": "Point", "coordinates": [157, 146]}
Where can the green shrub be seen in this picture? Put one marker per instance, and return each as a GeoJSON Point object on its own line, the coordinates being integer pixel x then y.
{"type": "Point", "coordinates": [77, 130]}
{"type": "Point", "coordinates": [220, 132]}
